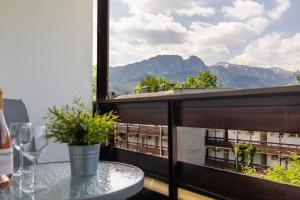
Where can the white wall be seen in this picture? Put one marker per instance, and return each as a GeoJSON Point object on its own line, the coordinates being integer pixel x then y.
{"type": "Point", "coordinates": [244, 135]}
{"type": "Point", "coordinates": [191, 145]}
{"type": "Point", "coordinates": [46, 55]}
{"type": "Point", "coordinates": [270, 161]}
{"type": "Point", "coordinates": [285, 139]}
{"type": "Point", "coordinates": [219, 133]}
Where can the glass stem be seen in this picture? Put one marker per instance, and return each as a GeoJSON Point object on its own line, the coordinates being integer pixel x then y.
{"type": "Point", "coordinates": [33, 172]}
{"type": "Point", "coordinates": [21, 161]}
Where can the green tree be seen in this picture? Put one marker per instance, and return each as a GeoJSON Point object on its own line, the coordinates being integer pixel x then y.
{"type": "Point", "coordinates": [138, 89]}
{"type": "Point", "coordinates": [204, 79]}
{"type": "Point", "coordinates": [153, 83]}
{"type": "Point", "coordinates": [250, 171]}
{"type": "Point", "coordinates": [240, 149]}
{"type": "Point", "coordinates": [289, 175]}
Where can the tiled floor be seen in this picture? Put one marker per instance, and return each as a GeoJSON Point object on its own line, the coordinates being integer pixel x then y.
{"type": "Point", "coordinates": [156, 190]}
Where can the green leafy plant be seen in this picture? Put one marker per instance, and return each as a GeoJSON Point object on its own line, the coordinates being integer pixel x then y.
{"type": "Point", "coordinates": [204, 79]}
{"type": "Point", "coordinates": [153, 83]}
{"type": "Point", "coordinates": [251, 150]}
{"type": "Point", "coordinates": [289, 175]}
{"type": "Point", "coordinates": [239, 150]}
{"type": "Point", "coordinates": [138, 89]}
{"type": "Point", "coordinates": [250, 171]}
{"type": "Point", "coordinates": [78, 125]}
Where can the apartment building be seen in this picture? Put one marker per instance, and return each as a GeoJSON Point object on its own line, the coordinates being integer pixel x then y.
{"type": "Point", "coordinates": [271, 147]}
{"type": "Point", "coordinates": [210, 147]}
{"type": "Point", "coordinates": [151, 139]}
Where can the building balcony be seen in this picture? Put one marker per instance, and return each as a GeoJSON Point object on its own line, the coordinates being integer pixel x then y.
{"type": "Point", "coordinates": [261, 146]}
{"type": "Point", "coordinates": [224, 163]}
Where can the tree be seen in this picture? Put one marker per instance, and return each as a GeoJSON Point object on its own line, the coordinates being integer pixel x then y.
{"type": "Point", "coordinates": [153, 83]}
{"type": "Point", "coordinates": [204, 79]}
{"type": "Point", "coordinates": [240, 149]}
{"type": "Point", "coordinates": [289, 175]}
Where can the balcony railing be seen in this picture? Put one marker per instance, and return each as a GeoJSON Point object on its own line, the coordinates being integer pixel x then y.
{"type": "Point", "coordinates": [261, 146]}
{"type": "Point", "coordinates": [135, 137]}
{"type": "Point", "coordinates": [268, 109]}
{"type": "Point", "coordinates": [228, 163]}
{"type": "Point", "coordinates": [143, 148]}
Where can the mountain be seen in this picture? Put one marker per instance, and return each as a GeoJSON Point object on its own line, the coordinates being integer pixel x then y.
{"type": "Point", "coordinates": [171, 66]}
{"type": "Point", "coordinates": [242, 76]}
{"type": "Point", "coordinates": [174, 67]}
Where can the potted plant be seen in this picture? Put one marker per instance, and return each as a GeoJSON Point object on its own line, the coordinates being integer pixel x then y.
{"type": "Point", "coordinates": [83, 130]}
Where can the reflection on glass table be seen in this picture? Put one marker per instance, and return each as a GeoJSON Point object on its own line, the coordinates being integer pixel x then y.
{"type": "Point", "coordinates": [114, 181]}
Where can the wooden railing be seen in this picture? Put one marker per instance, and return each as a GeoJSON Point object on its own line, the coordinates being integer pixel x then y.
{"type": "Point", "coordinates": [268, 109]}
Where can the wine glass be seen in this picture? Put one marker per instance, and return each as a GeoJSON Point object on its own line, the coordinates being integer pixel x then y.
{"type": "Point", "coordinates": [32, 150]}
{"type": "Point", "coordinates": [20, 133]}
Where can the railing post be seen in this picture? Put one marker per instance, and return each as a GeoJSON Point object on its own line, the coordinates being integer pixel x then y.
{"type": "Point", "coordinates": [160, 140]}
{"type": "Point", "coordinates": [127, 132]}
{"type": "Point", "coordinates": [138, 138]}
{"type": "Point", "coordinates": [102, 49]}
{"type": "Point", "coordinates": [172, 150]}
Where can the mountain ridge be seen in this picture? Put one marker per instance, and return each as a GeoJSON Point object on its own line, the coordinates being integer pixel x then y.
{"type": "Point", "coordinates": [174, 67]}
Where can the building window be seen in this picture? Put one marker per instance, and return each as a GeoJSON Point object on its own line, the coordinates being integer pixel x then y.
{"type": "Point", "coordinates": [274, 157]}
{"type": "Point", "coordinates": [156, 141]}
{"type": "Point", "coordinates": [281, 134]}
{"type": "Point", "coordinates": [251, 132]}
{"type": "Point", "coordinates": [277, 134]}
{"type": "Point", "coordinates": [143, 140]}
{"type": "Point", "coordinates": [274, 134]}
{"type": "Point", "coordinates": [218, 149]}
{"type": "Point", "coordinates": [292, 135]}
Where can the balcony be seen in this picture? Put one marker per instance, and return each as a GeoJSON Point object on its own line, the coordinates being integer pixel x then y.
{"type": "Point", "coordinates": [270, 109]}
{"type": "Point", "coordinates": [227, 164]}
{"type": "Point", "coordinates": [261, 146]}
{"type": "Point", "coordinates": [50, 50]}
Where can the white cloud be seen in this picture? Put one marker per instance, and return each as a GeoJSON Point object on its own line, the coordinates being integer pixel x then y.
{"type": "Point", "coordinates": [143, 36]}
{"type": "Point", "coordinates": [274, 49]}
{"type": "Point", "coordinates": [279, 9]}
{"type": "Point", "coordinates": [244, 9]}
{"type": "Point", "coordinates": [258, 23]}
{"type": "Point", "coordinates": [226, 33]}
{"type": "Point", "coordinates": [186, 7]}
{"type": "Point", "coordinates": [140, 36]}
{"type": "Point", "coordinates": [255, 14]}
{"type": "Point", "coordinates": [150, 29]}
{"type": "Point", "coordinates": [198, 10]}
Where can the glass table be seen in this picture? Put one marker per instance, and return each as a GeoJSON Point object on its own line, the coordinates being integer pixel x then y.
{"type": "Point", "coordinates": [114, 181]}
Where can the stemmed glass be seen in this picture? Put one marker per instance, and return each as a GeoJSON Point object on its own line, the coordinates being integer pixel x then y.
{"type": "Point", "coordinates": [32, 150]}
{"type": "Point", "coordinates": [20, 133]}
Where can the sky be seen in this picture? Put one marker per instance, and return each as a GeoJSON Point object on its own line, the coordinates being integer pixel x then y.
{"type": "Point", "coordinates": [262, 33]}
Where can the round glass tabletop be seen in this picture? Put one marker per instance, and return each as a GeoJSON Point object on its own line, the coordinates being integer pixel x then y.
{"type": "Point", "coordinates": [114, 181]}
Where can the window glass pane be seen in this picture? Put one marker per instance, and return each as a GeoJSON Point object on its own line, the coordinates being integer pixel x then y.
{"type": "Point", "coordinates": [175, 46]}
{"type": "Point", "coordinates": [246, 44]}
